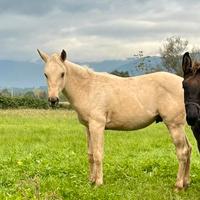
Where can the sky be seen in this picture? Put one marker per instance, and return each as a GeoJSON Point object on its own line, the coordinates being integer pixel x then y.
{"type": "Point", "coordinates": [94, 30]}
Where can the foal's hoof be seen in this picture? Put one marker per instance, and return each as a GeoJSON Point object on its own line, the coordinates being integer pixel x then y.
{"type": "Point", "coordinates": [186, 184]}
{"type": "Point", "coordinates": [99, 182]}
{"type": "Point", "coordinates": [179, 186]}
{"type": "Point", "coordinates": [178, 189]}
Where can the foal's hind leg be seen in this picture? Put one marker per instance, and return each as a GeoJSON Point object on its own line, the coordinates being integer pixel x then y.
{"type": "Point", "coordinates": [183, 152]}
{"type": "Point", "coordinates": [187, 171]}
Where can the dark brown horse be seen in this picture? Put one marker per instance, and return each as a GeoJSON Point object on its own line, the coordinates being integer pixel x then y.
{"type": "Point", "coordinates": [191, 86]}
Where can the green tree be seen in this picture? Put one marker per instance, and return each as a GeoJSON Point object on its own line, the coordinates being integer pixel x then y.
{"type": "Point", "coordinates": [171, 53]}
{"type": "Point", "coordinates": [195, 54]}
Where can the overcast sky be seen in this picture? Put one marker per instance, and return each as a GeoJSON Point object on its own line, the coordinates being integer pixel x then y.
{"type": "Point", "coordinates": [94, 30]}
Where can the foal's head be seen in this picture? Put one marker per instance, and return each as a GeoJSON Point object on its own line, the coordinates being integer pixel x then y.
{"type": "Point", "coordinates": [55, 74]}
{"type": "Point", "coordinates": [191, 86]}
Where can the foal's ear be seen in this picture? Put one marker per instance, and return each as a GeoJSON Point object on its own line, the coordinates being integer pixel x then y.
{"type": "Point", "coordinates": [63, 55]}
{"type": "Point", "coordinates": [187, 64]}
{"type": "Point", "coordinates": [43, 55]}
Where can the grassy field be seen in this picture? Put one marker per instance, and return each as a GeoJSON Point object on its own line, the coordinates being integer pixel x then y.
{"type": "Point", "coordinates": [43, 156]}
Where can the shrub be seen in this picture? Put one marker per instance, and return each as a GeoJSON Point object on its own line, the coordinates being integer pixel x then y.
{"type": "Point", "coordinates": [22, 102]}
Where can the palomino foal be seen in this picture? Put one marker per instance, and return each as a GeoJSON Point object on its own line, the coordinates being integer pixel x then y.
{"type": "Point", "coordinates": [103, 101]}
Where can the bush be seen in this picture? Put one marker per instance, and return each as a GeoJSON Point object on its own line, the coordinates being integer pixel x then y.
{"type": "Point", "coordinates": [22, 102]}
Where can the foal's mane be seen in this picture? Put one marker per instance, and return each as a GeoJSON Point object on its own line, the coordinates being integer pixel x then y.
{"type": "Point", "coordinates": [56, 58]}
{"type": "Point", "coordinates": [83, 70]}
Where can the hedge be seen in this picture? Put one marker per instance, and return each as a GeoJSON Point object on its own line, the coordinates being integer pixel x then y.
{"type": "Point", "coordinates": [22, 102]}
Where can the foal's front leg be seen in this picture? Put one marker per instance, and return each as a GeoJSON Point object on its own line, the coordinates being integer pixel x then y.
{"type": "Point", "coordinates": [90, 157]}
{"type": "Point", "coordinates": [96, 130]}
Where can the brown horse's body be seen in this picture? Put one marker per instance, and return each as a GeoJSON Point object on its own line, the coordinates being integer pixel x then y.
{"type": "Point", "coordinates": [104, 101]}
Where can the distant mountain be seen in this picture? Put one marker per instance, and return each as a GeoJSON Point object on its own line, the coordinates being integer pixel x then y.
{"type": "Point", "coordinates": [25, 74]}
{"type": "Point", "coordinates": [134, 66]}
{"type": "Point", "coordinates": [142, 65]}
{"type": "Point", "coordinates": [106, 65]}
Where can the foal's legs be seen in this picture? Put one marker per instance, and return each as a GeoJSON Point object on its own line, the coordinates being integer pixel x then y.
{"type": "Point", "coordinates": [96, 130]}
{"type": "Point", "coordinates": [183, 151]}
{"type": "Point", "coordinates": [90, 157]}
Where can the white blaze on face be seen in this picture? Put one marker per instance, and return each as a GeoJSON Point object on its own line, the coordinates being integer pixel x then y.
{"type": "Point", "coordinates": [55, 76]}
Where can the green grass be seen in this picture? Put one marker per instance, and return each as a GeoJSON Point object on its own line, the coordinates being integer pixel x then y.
{"type": "Point", "coordinates": [43, 156]}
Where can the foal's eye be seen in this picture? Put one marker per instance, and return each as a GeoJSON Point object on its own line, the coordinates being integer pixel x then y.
{"type": "Point", "coordinates": [46, 75]}
{"type": "Point", "coordinates": [62, 75]}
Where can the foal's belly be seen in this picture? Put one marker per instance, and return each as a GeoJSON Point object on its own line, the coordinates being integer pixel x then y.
{"type": "Point", "coordinates": [129, 123]}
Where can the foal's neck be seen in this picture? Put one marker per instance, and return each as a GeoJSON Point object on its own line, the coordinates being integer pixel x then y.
{"type": "Point", "coordinates": [78, 81]}
{"type": "Point", "coordinates": [76, 71]}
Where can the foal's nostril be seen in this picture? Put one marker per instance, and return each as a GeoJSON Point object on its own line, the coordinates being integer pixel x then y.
{"type": "Point", "coordinates": [53, 101]}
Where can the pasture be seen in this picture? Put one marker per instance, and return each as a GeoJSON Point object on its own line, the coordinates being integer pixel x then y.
{"type": "Point", "coordinates": [43, 156]}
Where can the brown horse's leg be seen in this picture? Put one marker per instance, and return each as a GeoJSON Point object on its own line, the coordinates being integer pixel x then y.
{"type": "Point", "coordinates": [96, 130]}
{"type": "Point", "coordinates": [196, 132]}
{"type": "Point", "coordinates": [90, 158]}
{"type": "Point", "coordinates": [182, 152]}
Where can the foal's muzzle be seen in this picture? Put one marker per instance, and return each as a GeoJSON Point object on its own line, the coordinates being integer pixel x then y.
{"type": "Point", "coordinates": [53, 101]}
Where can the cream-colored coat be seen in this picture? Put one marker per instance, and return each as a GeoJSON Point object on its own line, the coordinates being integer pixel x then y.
{"type": "Point", "coordinates": [129, 103]}
{"type": "Point", "coordinates": [103, 101]}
